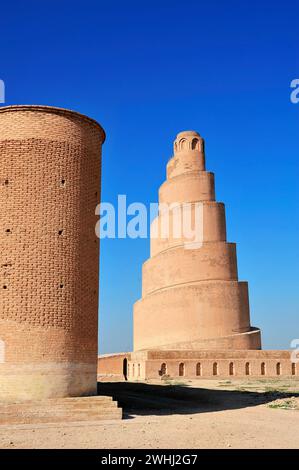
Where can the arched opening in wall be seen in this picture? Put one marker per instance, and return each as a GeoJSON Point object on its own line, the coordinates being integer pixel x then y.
{"type": "Point", "coordinates": [231, 368]}
{"type": "Point", "coordinates": [293, 368]}
{"type": "Point", "coordinates": [194, 144]}
{"type": "Point", "coordinates": [247, 368]}
{"type": "Point", "coordinates": [198, 369]}
{"type": "Point", "coordinates": [163, 369]}
{"type": "Point", "coordinates": [133, 370]}
{"type": "Point", "coordinates": [2, 351]}
{"type": "Point", "coordinates": [125, 368]}
{"type": "Point", "coordinates": [181, 369]}
{"type": "Point", "coordinates": [263, 368]}
{"type": "Point", "coordinates": [278, 368]}
{"type": "Point", "coordinates": [215, 368]}
{"type": "Point", "coordinates": [138, 373]}
{"type": "Point", "coordinates": [184, 144]}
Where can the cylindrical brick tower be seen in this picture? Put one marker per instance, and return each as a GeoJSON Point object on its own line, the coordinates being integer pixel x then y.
{"type": "Point", "coordinates": [50, 163]}
{"type": "Point", "coordinates": [191, 296]}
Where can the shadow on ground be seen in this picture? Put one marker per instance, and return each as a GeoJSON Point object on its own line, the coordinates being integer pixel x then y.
{"type": "Point", "coordinates": [147, 399]}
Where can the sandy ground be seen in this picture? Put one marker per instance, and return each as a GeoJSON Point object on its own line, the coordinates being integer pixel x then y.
{"type": "Point", "coordinates": [195, 414]}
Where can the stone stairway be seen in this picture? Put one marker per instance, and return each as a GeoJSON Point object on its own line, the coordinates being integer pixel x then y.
{"type": "Point", "coordinates": [60, 410]}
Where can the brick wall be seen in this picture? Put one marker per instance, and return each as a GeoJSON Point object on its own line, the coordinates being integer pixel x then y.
{"type": "Point", "coordinates": [196, 364]}
{"type": "Point", "coordinates": [49, 188]}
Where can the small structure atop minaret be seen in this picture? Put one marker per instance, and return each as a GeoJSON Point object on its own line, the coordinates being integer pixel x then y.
{"type": "Point", "coordinates": [188, 140]}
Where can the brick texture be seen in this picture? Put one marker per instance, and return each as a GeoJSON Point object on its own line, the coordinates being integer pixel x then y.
{"type": "Point", "coordinates": [49, 187]}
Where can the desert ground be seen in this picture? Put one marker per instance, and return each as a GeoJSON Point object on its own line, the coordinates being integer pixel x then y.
{"type": "Point", "coordinates": [174, 414]}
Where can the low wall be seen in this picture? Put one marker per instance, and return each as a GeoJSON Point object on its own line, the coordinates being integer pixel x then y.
{"type": "Point", "coordinates": [114, 365]}
{"type": "Point", "coordinates": [154, 364]}
{"type": "Point", "coordinates": [195, 364]}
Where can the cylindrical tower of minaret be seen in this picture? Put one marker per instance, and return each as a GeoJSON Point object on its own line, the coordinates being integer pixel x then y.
{"type": "Point", "coordinates": [50, 161]}
{"type": "Point", "coordinates": [191, 296]}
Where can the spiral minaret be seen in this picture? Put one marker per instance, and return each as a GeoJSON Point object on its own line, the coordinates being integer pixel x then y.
{"type": "Point", "coordinates": [191, 295]}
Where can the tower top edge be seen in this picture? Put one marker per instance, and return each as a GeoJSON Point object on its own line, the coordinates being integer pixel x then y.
{"type": "Point", "coordinates": [187, 134]}
{"type": "Point", "coordinates": [54, 110]}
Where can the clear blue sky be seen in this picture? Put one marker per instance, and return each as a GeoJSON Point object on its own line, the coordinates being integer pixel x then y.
{"type": "Point", "coordinates": [149, 69]}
